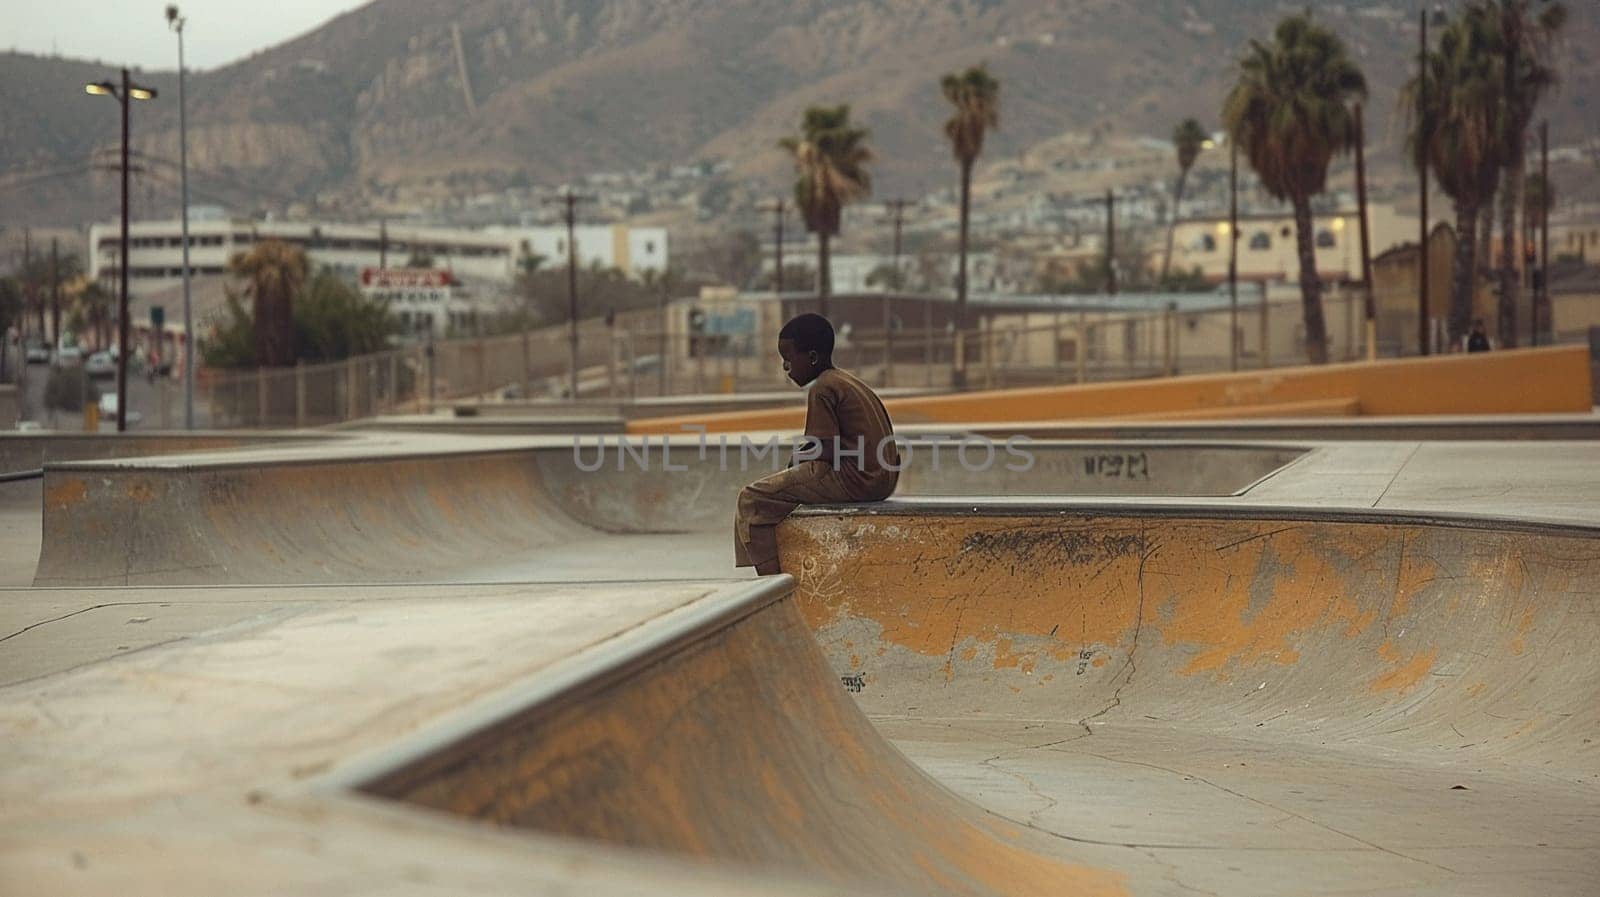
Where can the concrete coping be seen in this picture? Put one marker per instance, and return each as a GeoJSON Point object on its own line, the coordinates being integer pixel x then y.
{"type": "Point", "coordinates": [356, 447]}
{"type": "Point", "coordinates": [1189, 509]}
{"type": "Point", "coordinates": [569, 680]}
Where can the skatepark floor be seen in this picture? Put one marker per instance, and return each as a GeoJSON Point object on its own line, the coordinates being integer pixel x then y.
{"type": "Point", "coordinates": [270, 689]}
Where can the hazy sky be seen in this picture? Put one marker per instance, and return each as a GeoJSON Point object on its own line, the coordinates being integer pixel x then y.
{"type": "Point", "coordinates": [135, 31]}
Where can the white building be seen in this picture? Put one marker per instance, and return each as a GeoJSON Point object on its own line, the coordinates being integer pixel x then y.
{"type": "Point", "coordinates": [488, 257]}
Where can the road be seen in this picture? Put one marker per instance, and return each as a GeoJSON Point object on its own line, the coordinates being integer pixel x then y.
{"type": "Point", "coordinates": [158, 405]}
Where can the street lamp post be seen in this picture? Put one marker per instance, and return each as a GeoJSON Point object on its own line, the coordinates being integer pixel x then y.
{"type": "Point", "coordinates": [176, 23]}
{"type": "Point", "coordinates": [1422, 172]}
{"type": "Point", "coordinates": [124, 92]}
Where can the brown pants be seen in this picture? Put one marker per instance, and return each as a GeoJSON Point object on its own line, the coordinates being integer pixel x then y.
{"type": "Point", "coordinates": [764, 503]}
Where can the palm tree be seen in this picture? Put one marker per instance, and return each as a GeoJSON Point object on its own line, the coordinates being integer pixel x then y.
{"type": "Point", "coordinates": [1456, 136]}
{"type": "Point", "coordinates": [1525, 31]}
{"type": "Point", "coordinates": [95, 302]}
{"type": "Point", "coordinates": [274, 272]}
{"type": "Point", "coordinates": [1188, 139]}
{"type": "Point", "coordinates": [975, 94]}
{"type": "Point", "coordinates": [830, 163]}
{"type": "Point", "coordinates": [1290, 112]}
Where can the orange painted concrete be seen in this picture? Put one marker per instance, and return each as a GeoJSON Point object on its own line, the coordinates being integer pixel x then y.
{"type": "Point", "coordinates": [1282, 410]}
{"type": "Point", "coordinates": [1550, 380]}
{"type": "Point", "coordinates": [742, 748]}
{"type": "Point", "coordinates": [1340, 632]}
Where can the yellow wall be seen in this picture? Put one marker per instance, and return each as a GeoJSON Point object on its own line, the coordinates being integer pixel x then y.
{"type": "Point", "coordinates": [1546, 380]}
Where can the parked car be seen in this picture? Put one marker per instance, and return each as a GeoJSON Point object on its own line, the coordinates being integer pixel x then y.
{"type": "Point", "coordinates": [101, 365]}
{"type": "Point", "coordinates": [37, 353]}
{"type": "Point", "coordinates": [108, 409]}
{"type": "Point", "coordinates": [68, 356]}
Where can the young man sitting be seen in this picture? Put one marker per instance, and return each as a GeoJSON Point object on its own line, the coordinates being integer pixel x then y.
{"type": "Point", "coordinates": [848, 455]}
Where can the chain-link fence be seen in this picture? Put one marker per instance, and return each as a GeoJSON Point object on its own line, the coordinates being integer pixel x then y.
{"type": "Point", "coordinates": [727, 347]}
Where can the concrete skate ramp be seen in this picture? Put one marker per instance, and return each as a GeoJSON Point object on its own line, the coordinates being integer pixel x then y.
{"type": "Point", "coordinates": [733, 743]}
{"type": "Point", "coordinates": [1351, 622]}
{"type": "Point", "coordinates": [1421, 692]}
{"type": "Point", "coordinates": [381, 513]}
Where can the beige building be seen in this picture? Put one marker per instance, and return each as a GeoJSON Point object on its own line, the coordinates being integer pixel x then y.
{"type": "Point", "coordinates": [1396, 292]}
{"type": "Point", "coordinates": [1268, 250]}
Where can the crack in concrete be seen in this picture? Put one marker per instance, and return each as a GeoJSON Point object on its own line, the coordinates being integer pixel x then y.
{"type": "Point", "coordinates": [1129, 665]}
{"type": "Point", "coordinates": [1172, 875]}
{"type": "Point", "coordinates": [75, 613]}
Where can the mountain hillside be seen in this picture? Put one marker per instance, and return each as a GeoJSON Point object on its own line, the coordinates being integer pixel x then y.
{"type": "Point", "coordinates": [407, 99]}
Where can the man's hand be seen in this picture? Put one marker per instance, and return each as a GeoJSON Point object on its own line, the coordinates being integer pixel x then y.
{"type": "Point", "coordinates": [813, 449]}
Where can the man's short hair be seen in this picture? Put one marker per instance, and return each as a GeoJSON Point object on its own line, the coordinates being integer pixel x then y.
{"type": "Point", "coordinates": [809, 333]}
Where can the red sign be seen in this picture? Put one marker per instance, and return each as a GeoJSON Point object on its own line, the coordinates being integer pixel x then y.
{"type": "Point", "coordinates": [406, 278]}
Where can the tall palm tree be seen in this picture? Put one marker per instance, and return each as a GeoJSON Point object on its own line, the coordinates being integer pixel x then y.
{"type": "Point", "coordinates": [1188, 139]}
{"type": "Point", "coordinates": [1525, 31]}
{"type": "Point", "coordinates": [1290, 112]}
{"type": "Point", "coordinates": [274, 273]}
{"type": "Point", "coordinates": [830, 163]}
{"type": "Point", "coordinates": [975, 94]}
{"type": "Point", "coordinates": [1457, 137]}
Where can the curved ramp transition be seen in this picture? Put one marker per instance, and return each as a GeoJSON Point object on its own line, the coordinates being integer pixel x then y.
{"type": "Point", "coordinates": [1400, 705]}
{"type": "Point", "coordinates": [733, 744]}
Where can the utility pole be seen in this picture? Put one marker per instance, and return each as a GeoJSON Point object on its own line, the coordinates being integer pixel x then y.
{"type": "Point", "coordinates": [1366, 240]}
{"type": "Point", "coordinates": [27, 285]}
{"type": "Point", "coordinates": [1111, 242]}
{"type": "Point", "coordinates": [1423, 340]}
{"type": "Point", "coordinates": [176, 23]}
{"type": "Point", "coordinates": [383, 243]}
{"type": "Point", "coordinates": [1506, 306]}
{"type": "Point", "coordinates": [1233, 254]}
{"type": "Point", "coordinates": [55, 294]}
{"type": "Point", "coordinates": [122, 277]}
{"type": "Point", "coordinates": [569, 201]}
{"type": "Point", "coordinates": [777, 210]}
{"type": "Point", "coordinates": [897, 209]}
{"type": "Point", "coordinates": [1541, 290]}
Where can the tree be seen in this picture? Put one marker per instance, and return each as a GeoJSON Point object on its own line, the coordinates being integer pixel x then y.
{"type": "Point", "coordinates": [1525, 31]}
{"type": "Point", "coordinates": [1290, 112]}
{"type": "Point", "coordinates": [274, 273]}
{"type": "Point", "coordinates": [59, 272]}
{"type": "Point", "coordinates": [332, 321]}
{"type": "Point", "coordinates": [27, 281]}
{"type": "Point", "coordinates": [1188, 139]}
{"type": "Point", "coordinates": [95, 302]}
{"type": "Point", "coordinates": [1455, 134]}
{"type": "Point", "coordinates": [830, 162]}
{"type": "Point", "coordinates": [526, 286]}
{"type": "Point", "coordinates": [11, 310]}
{"type": "Point", "coordinates": [975, 94]}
